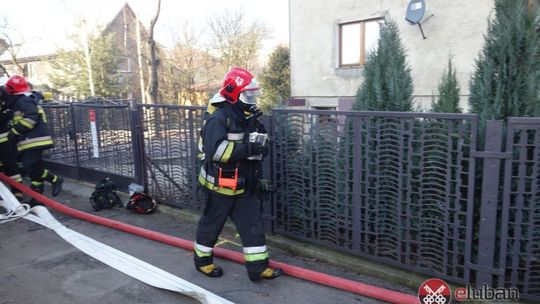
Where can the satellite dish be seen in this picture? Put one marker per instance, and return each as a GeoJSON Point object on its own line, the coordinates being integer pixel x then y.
{"type": "Point", "coordinates": [415, 11]}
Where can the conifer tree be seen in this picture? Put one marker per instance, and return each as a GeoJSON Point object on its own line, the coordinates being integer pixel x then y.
{"type": "Point", "coordinates": [387, 82]}
{"type": "Point", "coordinates": [448, 92]}
{"type": "Point", "coordinates": [506, 81]}
{"type": "Point", "coordinates": [70, 74]}
{"type": "Point", "coordinates": [275, 80]}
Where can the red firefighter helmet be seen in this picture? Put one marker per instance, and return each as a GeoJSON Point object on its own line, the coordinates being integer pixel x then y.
{"type": "Point", "coordinates": [17, 85]}
{"type": "Point", "coordinates": [141, 203]}
{"type": "Point", "coordinates": [237, 80]}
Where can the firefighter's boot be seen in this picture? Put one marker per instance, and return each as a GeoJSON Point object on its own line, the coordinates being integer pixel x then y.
{"type": "Point", "coordinates": [204, 264]}
{"type": "Point", "coordinates": [211, 270]}
{"type": "Point", "coordinates": [267, 274]}
{"type": "Point", "coordinates": [57, 185]}
{"type": "Point", "coordinates": [38, 187]}
{"type": "Point", "coordinates": [55, 180]}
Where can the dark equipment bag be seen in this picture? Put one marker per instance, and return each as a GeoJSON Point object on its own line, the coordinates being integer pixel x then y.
{"type": "Point", "coordinates": [104, 195]}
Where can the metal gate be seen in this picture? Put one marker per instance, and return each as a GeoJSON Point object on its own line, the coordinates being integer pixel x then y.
{"type": "Point", "coordinates": [169, 134]}
{"type": "Point", "coordinates": [92, 142]}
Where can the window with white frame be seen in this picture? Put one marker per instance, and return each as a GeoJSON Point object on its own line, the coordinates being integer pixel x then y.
{"type": "Point", "coordinates": [356, 39]}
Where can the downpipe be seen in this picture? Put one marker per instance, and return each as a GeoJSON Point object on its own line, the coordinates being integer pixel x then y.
{"type": "Point", "coordinates": [355, 287]}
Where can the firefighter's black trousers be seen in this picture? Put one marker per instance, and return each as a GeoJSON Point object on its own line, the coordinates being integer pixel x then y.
{"type": "Point", "coordinates": [35, 169]}
{"type": "Point", "coordinates": [245, 212]}
{"type": "Point", "coordinates": [8, 156]}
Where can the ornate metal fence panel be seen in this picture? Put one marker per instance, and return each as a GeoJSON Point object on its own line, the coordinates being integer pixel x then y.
{"type": "Point", "coordinates": [170, 136]}
{"type": "Point", "coordinates": [519, 217]}
{"type": "Point", "coordinates": [61, 125]}
{"type": "Point", "coordinates": [92, 141]}
{"type": "Point", "coordinates": [114, 153]}
{"type": "Point", "coordinates": [390, 186]}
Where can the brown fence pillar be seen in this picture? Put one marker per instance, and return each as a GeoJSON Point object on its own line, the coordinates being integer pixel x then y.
{"type": "Point", "coordinates": [487, 233]}
{"type": "Point", "coordinates": [138, 145]}
{"type": "Point", "coordinates": [269, 216]}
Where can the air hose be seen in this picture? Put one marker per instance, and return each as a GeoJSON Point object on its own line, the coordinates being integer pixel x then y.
{"type": "Point", "coordinates": [362, 289]}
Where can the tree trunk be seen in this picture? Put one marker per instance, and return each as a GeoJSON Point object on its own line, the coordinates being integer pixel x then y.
{"type": "Point", "coordinates": [153, 61]}
{"type": "Point", "coordinates": [4, 70]}
{"type": "Point", "coordinates": [140, 61]}
{"type": "Point", "coordinates": [88, 60]}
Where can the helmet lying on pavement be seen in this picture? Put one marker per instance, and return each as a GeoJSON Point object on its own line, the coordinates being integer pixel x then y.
{"type": "Point", "coordinates": [141, 203]}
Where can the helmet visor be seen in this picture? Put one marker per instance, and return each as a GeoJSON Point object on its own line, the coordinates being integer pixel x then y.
{"type": "Point", "coordinates": [250, 97]}
{"type": "Point", "coordinates": [250, 93]}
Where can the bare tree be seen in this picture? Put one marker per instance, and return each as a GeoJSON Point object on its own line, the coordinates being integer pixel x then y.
{"type": "Point", "coordinates": [235, 42]}
{"type": "Point", "coordinates": [188, 70]}
{"type": "Point", "coordinates": [140, 60]}
{"type": "Point", "coordinates": [153, 60]}
{"type": "Point", "coordinates": [88, 58]}
{"type": "Point", "coordinates": [3, 47]}
{"type": "Point", "coordinates": [12, 46]}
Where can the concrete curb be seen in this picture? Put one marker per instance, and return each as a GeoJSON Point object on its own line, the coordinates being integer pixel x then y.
{"type": "Point", "coordinates": [307, 250]}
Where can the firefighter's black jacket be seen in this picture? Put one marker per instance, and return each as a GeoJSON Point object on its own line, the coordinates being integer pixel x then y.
{"type": "Point", "coordinates": [225, 144]}
{"type": "Point", "coordinates": [29, 124]}
{"type": "Point", "coordinates": [6, 114]}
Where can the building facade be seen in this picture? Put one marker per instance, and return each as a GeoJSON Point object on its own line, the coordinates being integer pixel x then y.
{"type": "Point", "coordinates": [329, 41]}
{"type": "Point", "coordinates": [35, 68]}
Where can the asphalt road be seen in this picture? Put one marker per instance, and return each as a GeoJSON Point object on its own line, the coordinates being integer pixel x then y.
{"type": "Point", "coordinates": [39, 267]}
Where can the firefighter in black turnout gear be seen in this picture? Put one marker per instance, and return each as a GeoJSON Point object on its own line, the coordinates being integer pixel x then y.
{"type": "Point", "coordinates": [232, 144]}
{"type": "Point", "coordinates": [30, 133]}
{"type": "Point", "coordinates": [8, 151]}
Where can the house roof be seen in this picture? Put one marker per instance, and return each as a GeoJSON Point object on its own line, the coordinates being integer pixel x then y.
{"type": "Point", "coordinates": [29, 59]}
{"type": "Point", "coordinates": [206, 86]}
{"type": "Point", "coordinates": [127, 10]}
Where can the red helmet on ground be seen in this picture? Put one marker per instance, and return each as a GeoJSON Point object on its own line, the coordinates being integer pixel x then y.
{"type": "Point", "coordinates": [17, 85]}
{"type": "Point", "coordinates": [237, 80]}
{"type": "Point", "coordinates": [141, 203]}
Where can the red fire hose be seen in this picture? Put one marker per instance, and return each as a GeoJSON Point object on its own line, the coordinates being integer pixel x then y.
{"type": "Point", "coordinates": [299, 272]}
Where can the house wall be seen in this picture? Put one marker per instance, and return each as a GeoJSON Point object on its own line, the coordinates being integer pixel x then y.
{"type": "Point", "coordinates": [124, 27]}
{"type": "Point", "coordinates": [456, 28]}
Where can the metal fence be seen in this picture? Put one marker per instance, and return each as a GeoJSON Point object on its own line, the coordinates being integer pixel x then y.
{"type": "Point", "coordinates": [92, 141]}
{"type": "Point", "coordinates": [518, 259]}
{"type": "Point", "coordinates": [169, 136]}
{"type": "Point", "coordinates": [391, 186]}
{"type": "Point", "coordinates": [416, 190]}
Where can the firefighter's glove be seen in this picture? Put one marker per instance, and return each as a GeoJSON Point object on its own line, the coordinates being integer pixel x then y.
{"type": "Point", "coordinates": [264, 189]}
{"type": "Point", "coordinates": [266, 186]}
{"type": "Point", "coordinates": [256, 148]}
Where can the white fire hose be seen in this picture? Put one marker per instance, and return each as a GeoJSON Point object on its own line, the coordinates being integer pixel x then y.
{"type": "Point", "coordinates": [116, 259]}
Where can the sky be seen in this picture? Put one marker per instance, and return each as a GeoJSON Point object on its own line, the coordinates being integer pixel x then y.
{"type": "Point", "coordinates": [44, 24]}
